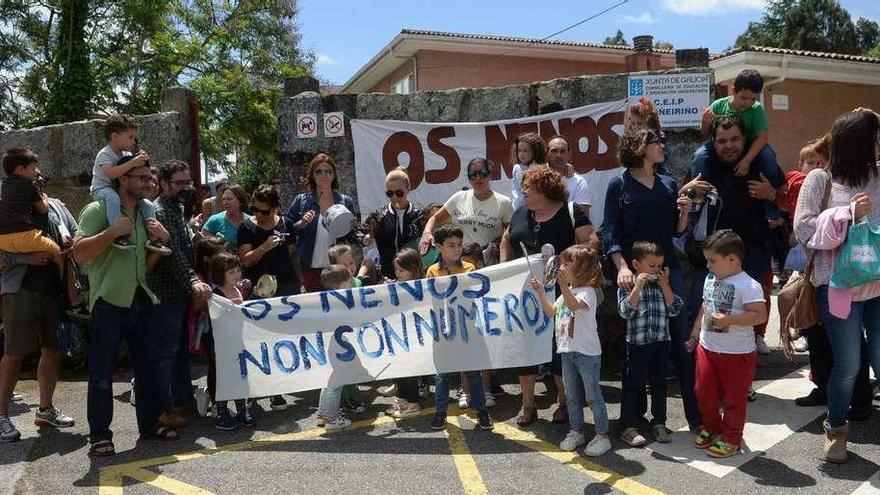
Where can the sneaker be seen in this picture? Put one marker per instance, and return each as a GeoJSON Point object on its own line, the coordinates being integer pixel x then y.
{"type": "Point", "coordinates": [762, 346]}
{"type": "Point", "coordinates": [661, 433]}
{"type": "Point", "coordinates": [877, 392]}
{"type": "Point", "coordinates": [721, 449]}
{"type": "Point", "coordinates": [336, 423]}
{"type": "Point", "coordinates": [225, 421]}
{"type": "Point", "coordinates": [483, 420]}
{"type": "Point", "coordinates": [752, 396]}
{"type": "Point", "coordinates": [388, 390]}
{"type": "Point", "coordinates": [131, 396]}
{"type": "Point", "coordinates": [245, 418]}
{"type": "Point", "coordinates": [123, 242]}
{"type": "Point", "coordinates": [277, 403]}
{"type": "Point", "coordinates": [52, 417]}
{"type": "Point", "coordinates": [438, 422]}
{"type": "Point", "coordinates": [353, 405]}
{"type": "Point", "coordinates": [489, 400]}
{"type": "Point", "coordinates": [632, 437]}
{"type": "Point", "coordinates": [599, 445]}
{"type": "Point", "coordinates": [157, 247]}
{"type": "Point", "coordinates": [572, 441]}
{"type": "Point", "coordinates": [16, 397]}
{"type": "Point", "coordinates": [424, 389]}
{"type": "Point", "coordinates": [800, 345]}
{"type": "Point", "coordinates": [463, 400]}
{"type": "Point", "coordinates": [704, 439]}
{"type": "Point", "coordinates": [405, 409]}
{"type": "Point", "coordinates": [815, 398]}
{"type": "Point", "coordinates": [8, 431]}
{"type": "Point", "coordinates": [202, 400]}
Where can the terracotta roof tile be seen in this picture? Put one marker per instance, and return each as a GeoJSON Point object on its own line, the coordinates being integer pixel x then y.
{"type": "Point", "coordinates": [516, 39]}
{"type": "Point", "coordinates": [803, 53]}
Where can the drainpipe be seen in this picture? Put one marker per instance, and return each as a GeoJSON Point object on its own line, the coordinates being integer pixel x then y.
{"type": "Point", "coordinates": [768, 84]}
{"type": "Point", "coordinates": [415, 66]}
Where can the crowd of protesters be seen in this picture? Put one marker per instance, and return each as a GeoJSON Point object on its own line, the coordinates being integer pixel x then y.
{"type": "Point", "coordinates": [693, 264]}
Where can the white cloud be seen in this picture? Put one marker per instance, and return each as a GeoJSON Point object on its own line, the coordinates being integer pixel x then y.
{"type": "Point", "coordinates": [710, 7]}
{"type": "Point", "coordinates": [645, 18]}
{"type": "Point", "coordinates": [324, 59]}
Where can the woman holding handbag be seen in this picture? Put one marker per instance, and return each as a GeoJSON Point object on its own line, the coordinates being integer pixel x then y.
{"type": "Point", "coordinates": [854, 183]}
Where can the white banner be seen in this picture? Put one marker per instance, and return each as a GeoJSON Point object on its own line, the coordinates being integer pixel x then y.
{"type": "Point", "coordinates": [488, 319]}
{"type": "Point", "coordinates": [436, 154]}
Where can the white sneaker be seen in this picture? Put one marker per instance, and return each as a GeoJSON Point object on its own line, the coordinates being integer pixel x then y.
{"type": "Point", "coordinates": [388, 390]}
{"type": "Point", "coordinates": [463, 401]}
{"type": "Point", "coordinates": [489, 400]}
{"type": "Point", "coordinates": [202, 400]}
{"type": "Point", "coordinates": [336, 423]}
{"type": "Point", "coordinates": [573, 440]}
{"type": "Point", "coordinates": [597, 446]}
{"type": "Point", "coordinates": [800, 345]}
{"type": "Point", "coordinates": [762, 346]}
{"type": "Point", "coordinates": [407, 410]}
{"type": "Point", "coordinates": [131, 397]}
{"type": "Point", "coordinates": [877, 392]}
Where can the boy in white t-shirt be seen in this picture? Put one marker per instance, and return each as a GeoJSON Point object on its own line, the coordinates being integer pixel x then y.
{"type": "Point", "coordinates": [733, 303]}
{"type": "Point", "coordinates": [577, 340]}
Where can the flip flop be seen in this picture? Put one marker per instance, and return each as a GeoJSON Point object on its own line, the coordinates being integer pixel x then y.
{"type": "Point", "coordinates": [524, 418]}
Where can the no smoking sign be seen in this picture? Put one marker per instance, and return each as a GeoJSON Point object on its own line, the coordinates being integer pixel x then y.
{"type": "Point", "coordinates": [334, 124]}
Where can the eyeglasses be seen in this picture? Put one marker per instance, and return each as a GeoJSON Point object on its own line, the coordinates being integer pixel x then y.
{"type": "Point", "coordinates": [145, 178]}
{"type": "Point", "coordinates": [479, 174]}
{"type": "Point", "coordinates": [182, 183]}
{"type": "Point", "coordinates": [323, 171]}
{"type": "Point", "coordinates": [397, 192]}
{"type": "Point", "coordinates": [261, 212]}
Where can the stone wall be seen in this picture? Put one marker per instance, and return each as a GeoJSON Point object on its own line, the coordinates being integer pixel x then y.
{"type": "Point", "coordinates": [457, 105]}
{"type": "Point", "coordinates": [67, 151]}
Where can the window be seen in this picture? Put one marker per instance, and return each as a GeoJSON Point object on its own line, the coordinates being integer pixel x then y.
{"type": "Point", "coordinates": [404, 86]}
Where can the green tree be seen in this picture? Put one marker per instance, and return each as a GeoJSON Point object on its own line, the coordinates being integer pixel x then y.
{"type": "Point", "coordinates": [816, 25]}
{"type": "Point", "coordinates": [869, 34]}
{"type": "Point", "coordinates": [663, 45]}
{"type": "Point", "coordinates": [617, 39]}
{"type": "Point", "coordinates": [72, 87]}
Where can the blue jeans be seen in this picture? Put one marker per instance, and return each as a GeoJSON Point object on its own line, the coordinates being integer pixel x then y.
{"type": "Point", "coordinates": [109, 326]}
{"type": "Point", "coordinates": [679, 332]}
{"type": "Point", "coordinates": [441, 391]}
{"type": "Point", "coordinates": [845, 337]}
{"type": "Point", "coordinates": [582, 372]}
{"type": "Point", "coordinates": [174, 366]}
{"type": "Point", "coordinates": [114, 204]}
{"type": "Point", "coordinates": [328, 402]}
{"type": "Point", "coordinates": [764, 163]}
{"type": "Point", "coordinates": [646, 362]}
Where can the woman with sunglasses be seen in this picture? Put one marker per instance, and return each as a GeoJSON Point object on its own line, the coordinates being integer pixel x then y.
{"type": "Point", "coordinates": [398, 224]}
{"type": "Point", "coordinates": [546, 217]}
{"type": "Point", "coordinates": [642, 204]}
{"type": "Point", "coordinates": [481, 213]}
{"type": "Point", "coordinates": [226, 222]}
{"type": "Point", "coordinates": [307, 213]}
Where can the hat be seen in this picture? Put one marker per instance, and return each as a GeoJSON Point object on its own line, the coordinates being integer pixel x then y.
{"type": "Point", "coordinates": [337, 221]}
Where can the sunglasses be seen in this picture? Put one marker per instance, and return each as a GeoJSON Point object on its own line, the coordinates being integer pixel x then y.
{"type": "Point", "coordinates": [323, 171]}
{"type": "Point", "coordinates": [261, 212]}
{"type": "Point", "coordinates": [479, 174]}
{"type": "Point", "coordinates": [398, 192]}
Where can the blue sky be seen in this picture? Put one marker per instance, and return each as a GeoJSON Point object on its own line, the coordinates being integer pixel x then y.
{"type": "Point", "coordinates": [345, 34]}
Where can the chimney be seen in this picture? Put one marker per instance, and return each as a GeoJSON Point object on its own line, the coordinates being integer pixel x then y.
{"type": "Point", "coordinates": [643, 57]}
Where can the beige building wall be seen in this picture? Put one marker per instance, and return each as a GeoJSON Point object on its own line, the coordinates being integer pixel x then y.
{"type": "Point", "coordinates": [448, 70]}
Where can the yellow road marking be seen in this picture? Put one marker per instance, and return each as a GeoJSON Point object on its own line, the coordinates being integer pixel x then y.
{"type": "Point", "coordinates": [465, 464]}
{"type": "Point", "coordinates": [109, 482]}
{"type": "Point", "coordinates": [170, 485]}
{"type": "Point", "coordinates": [574, 461]}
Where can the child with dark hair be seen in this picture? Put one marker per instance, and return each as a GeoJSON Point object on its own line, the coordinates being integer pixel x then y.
{"type": "Point", "coordinates": [20, 200]}
{"type": "Point", "coordinates": [530, 150]}
{"type": "Point", "coordinates": [448, 240]}
{"type": "Point", "coordinates": [733, 303]}
{"type": "Point", "coordinates": [646, 309]}
{"type": "Point", "coordinates": [473, 254]}
{"type": "Point", "coordinates": [334, 277]}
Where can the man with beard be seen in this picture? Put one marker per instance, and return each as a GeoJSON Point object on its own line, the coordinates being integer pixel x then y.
{"type": "Point", "coordinates": [123, 307]}
{"type": "Point", "coordinates": [558, 155]}
{"type": "Point", "coordinates": [176, 284]}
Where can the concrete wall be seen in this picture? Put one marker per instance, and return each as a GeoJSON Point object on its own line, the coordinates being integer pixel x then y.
{"type": "Point", "coordinates": [437, 70]}
{"type": "Point", "coordinates": [807, 118]}
{"type": "Point", "coordinates": [67, 151]}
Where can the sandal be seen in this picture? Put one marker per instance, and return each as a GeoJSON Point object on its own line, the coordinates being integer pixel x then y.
{"type": "Point", "coordinates": [165, 433]}
{"type": "Point", "coordinates": [560, 415]}
{"type": "Point", "coordinates": [102, 448]}
{"type": "Point", "coordinates": [524, 418]}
